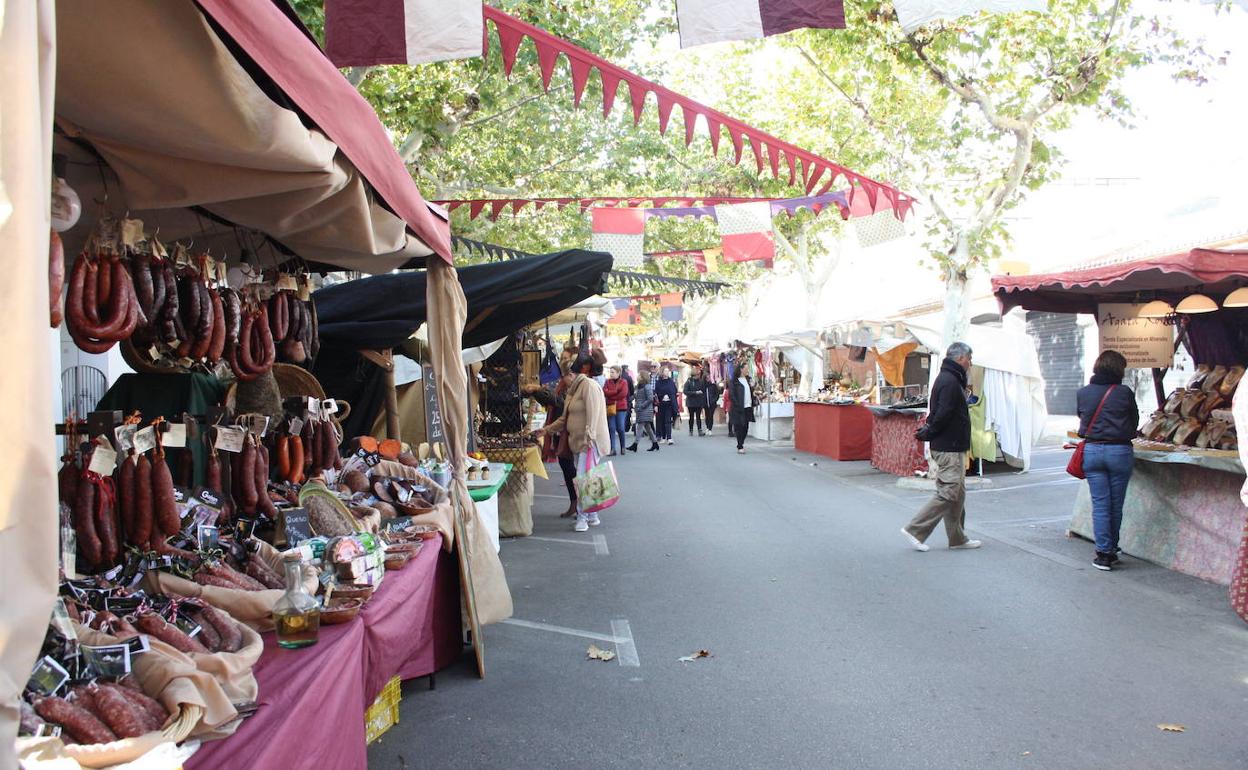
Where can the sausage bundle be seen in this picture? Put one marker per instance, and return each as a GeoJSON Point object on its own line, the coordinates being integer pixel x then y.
{"type": "Point", "coordinates": [254, 353]}
{"type": "Point", "coordinates": [292, 322]}
{"type": "Point", "coordinates": [101, 307]}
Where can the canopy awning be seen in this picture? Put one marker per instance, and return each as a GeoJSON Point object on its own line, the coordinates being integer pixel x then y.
{"type": "Point", "coordinates": [382, 311]}
{"type": "Point", "coordinates": [1208, 271]}
{"type": "Point", "coordinates": [233, 111]}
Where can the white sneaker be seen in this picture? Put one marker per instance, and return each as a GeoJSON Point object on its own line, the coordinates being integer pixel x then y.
{"type": "Point", "coordinates": [918, 544]}
{"type": "Point", "coordinates": [968, 545]}
{"type": "Point", "coordinates": [593, 520]}
{"type": "Point", "coordinates": [670, 442]}
{"type": "Point", "coordinates": [582, 524]}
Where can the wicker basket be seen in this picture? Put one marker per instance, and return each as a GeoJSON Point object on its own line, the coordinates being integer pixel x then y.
{"type": "Point", "coordinates": [295, 381]}
{"type": "Point", "coordinates": [130, 749]}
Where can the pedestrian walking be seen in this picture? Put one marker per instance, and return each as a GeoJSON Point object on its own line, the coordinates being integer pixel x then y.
{"type": "Point", "coordinates": [712, 403]}
{"type": "Point", "coordinates": [665, 392]}
{"type": "Point", "coordinates": [643, 405]}
{"type": "Point", "coordinates": [695, 399]}
{"type": "Point", "coordinates": [741, 411]}
{"type": "Point", "coordinates": [615, 392]}
{"type": "Point", "coordinates": [948, 433]}
{"type": "Point", "coordinates": [585, 420]}
{"type": "Point", "coordinates": [627, 376]}
{"type": "Point", "coordinates": [1108, 421]}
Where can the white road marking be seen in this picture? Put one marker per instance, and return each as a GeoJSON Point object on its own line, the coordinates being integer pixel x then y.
{"type": "Point", "coordinates": [625, 649]}
{"type": "Point", "coordinates": [1028, 521]}
{"type": "Point", "coordinates": [600, 545]}
{"type": "Point", "coordinates": [1071, 480]}
{"type": "Point", "coordinates": [622, 637]}
{"type": "Point", "coordinates": [551, 497]}
{"type": "Point", "coordinates": [599, 542]}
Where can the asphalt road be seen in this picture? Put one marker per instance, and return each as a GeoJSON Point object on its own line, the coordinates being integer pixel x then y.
{"type": "Point", "coordinates": [833, 644]}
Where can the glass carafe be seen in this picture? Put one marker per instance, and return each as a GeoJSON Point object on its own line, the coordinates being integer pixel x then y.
{"type": "Point", "coordinates": [297, 614]}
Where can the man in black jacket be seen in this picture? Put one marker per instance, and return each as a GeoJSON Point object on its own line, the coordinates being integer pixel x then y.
{"type": "Point", "coordinates": [948, 430]}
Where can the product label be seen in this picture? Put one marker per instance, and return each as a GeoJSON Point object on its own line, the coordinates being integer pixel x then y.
{"type": "Point", "coordinates": [230, 439]}
{"type": "Point", "coordinates": [175, 437]}
{"type": "Point", "coordinates": [47, 677]}
{"type": "Point", "coordinates": [103, 461]}
{"type": "Point", "coordinates": [145, 440]}
{"type": "Point", "coordinates": [125, 436]}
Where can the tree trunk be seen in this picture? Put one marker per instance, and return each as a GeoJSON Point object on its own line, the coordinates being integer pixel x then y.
{"type": "Point", "coordinates": [957, 294]}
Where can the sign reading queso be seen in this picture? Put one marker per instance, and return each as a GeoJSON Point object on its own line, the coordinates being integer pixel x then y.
{"type": "Point", "coordinates": [1147, 343]}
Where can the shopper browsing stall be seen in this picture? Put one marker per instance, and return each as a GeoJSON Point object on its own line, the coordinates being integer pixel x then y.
{"type": "Point", "coordinates": [741, 410]}
{"type": "Point", "coordinates": [585, 419]}
{"type": "Point", "coordinates": [1108, 421]}
{"type": "Point", "coordinates": [616, 394]}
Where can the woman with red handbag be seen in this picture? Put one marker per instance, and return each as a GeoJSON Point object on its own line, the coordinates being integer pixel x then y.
{"type": "Point", "coordinates": [1108, 422]}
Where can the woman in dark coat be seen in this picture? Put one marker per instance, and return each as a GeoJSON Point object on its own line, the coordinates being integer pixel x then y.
{"type": "Point", "coordinates": [665, 394]}
{"type": "Point", "coordinates": [695, 399]}
{"type": "Point", "coordinates": [741, 410]}
{"type": "Point", "coordinates": [1108, 458]}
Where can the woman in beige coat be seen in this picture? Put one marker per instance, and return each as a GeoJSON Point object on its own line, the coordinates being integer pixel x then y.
{"type": "Point", "coordinates": [584, 419]}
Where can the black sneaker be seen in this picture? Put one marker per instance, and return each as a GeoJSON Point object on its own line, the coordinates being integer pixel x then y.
{"type": "Point", "coordinates": [1103, 561]}
{"type": "Point", "coordinates": [1113, 557]}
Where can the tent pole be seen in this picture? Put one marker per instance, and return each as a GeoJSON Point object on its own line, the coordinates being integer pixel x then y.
{"type": "Point", "coordinates": [1159, 387]}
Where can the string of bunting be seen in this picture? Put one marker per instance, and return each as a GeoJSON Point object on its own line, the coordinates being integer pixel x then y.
{"type": "Point", "coordinates": [686, 206]}
{"type": "Point", "coordinates": [618, 281]}
{"type": "Point", "coordinates": [802, 165]}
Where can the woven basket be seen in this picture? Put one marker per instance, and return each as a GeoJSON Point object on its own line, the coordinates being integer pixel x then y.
{"type": "Point", "coordinates": [130, 749]}
{"type": "Point", "coordinates": [295, 381]}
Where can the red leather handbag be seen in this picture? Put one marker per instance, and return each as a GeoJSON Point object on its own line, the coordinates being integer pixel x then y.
{"type": "Point", "coordinates": [1075, 466]}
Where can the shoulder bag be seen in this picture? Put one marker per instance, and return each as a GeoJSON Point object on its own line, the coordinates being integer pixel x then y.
{"type": "Point", "coordinates": [1075, 466]}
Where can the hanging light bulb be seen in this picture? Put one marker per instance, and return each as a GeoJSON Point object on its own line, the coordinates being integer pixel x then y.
{"type": "Point", "coordinates": [1156, 309]}
{"type": "Point", "coordinates": [66, 206]}
{"type": "Point", "coordinates": [1196, 303]}
{"type": "Point", "coordinates": [1237, 298]}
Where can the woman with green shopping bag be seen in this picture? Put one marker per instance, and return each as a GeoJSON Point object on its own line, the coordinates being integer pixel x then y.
{"type": "Point", "coordinates": [584, 419]}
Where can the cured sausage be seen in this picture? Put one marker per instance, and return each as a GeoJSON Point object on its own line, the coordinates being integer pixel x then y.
{"type": "Point", "coordinates": [156, 274]}
{"type": "Point", "coordinates": [314, 335]}
{"type": "Point", "coordinates": [104, 282]}
{"type": "Point", "coordinates": [207, 635]}
{"type": "Point", "coordinates": [212, 471]}
{"type": "Point", "coordinates": [226, 628]}
{"type": "Point", "coordinates": [144, 287]}
{"type": "Point", "coordinates": [308, 437]}
{"type": "Point", "coordinates": [204, 579]}
{"type": "Point", "coordinates": [56, 278]}
{"type": "Point", "coordinates": [186, 467]}
{"type": "Point", "coordinates": [172, 324]}
{"type": "Point", "coordinates": [249, 496]}
{"type": "Point", "coordinates": [122, 717]}
{"type": "Point", "coordinates": [125, 496]}
{"type": "Point", "coordinates": [156, 626]}
{"type": "Point", "coordinates": [84, 522]}
{"type": "Point", "coordinates": [233, 318]}
{"type": "Point", "coordinates": [164, 505]}
{"type": "Point", "coordinates": [329, 445]}
{"type": "Point", "coordinates": [241, 359]}
{"type": "Point", "coordinates": [106, 520]}
{"type": "Point", "coordinates": [82, 725]}
{"type": "Point", "coordinates": [216, 342]}
{"type": "Point", "coordinates": [267, 353]}
{"type": "Point", "coordinates": [263, 502]}
{"type": "Point", "coordinates": [162, 547]}
{"type": "Point", "coordinates": [257, 569]}
{"type": "Point", "coordinates": [67, 481]}
{"type": "Point", "coordinates": [295, 449]}
{"type": "Point", "coordinates": [143, 515]}
{"type": "Point", "coordinates": [223, 571]}
{"type": "Point", "coordinates": [278, 321]}
{"type": "Point", "coordinates": [283, 457]}
{"type": "Point", "coordinates": [153, 714]}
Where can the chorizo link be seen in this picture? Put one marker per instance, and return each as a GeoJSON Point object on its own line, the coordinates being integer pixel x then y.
{"type": "Point", "coordinates": [67, 481]}
{"type": "Point", "coordinates": [83, 726]}
{"type": "Point", "coordinates": [154, 715]}
{"type": "Point", "coordinates": [226, 627]}
{"type": "Point", "coordinates": [156, 626]}
{"type": "Point", "coordinates": [104, 283]}
{"type": "Point", "coordinates": [84, 522]}
{"type": "Point", "coordinates": [263, 502]}
{"type": "Point", "coordinates": [295, 448]}
{"type": "Point", "coordinates": [91, 292]}
{"type": "Point", "coordinates": [56, 278]}
{"type": "Point", "coordinates": [283, 457]}
{"type": "Point", "coordinates": [247, 479]}
{"type": "Point", "coordinates": [155, 274]}
{"type": "Point", "coordinates": [207, 635]}
{"type": "Point", "coordinates": [125, 497]}
{"type": "Point", "coordinates": [216, 342]}
{"type": "Point", "coordinates": [308, 441]}
{"type": "Point", "coordinates": [143, 516]}
{"type": "Point", "coordinates": [144, 289]}
{"type": "Point", "coordinates": [163, 501]}
{"type": "Point", "coordinates": [106, 522]}
{"type": "Point", "coordinates": [212, 471]}
{"type": "Point", "coordinates": [186, 467]}
{"type": "Point", "coordinates": [121, 716]}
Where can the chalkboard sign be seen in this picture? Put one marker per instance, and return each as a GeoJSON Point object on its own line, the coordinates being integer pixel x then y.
{"type": "Point", "coordinates": [433, 412]}
{"type": "Point", "coordinates": [296, 525]}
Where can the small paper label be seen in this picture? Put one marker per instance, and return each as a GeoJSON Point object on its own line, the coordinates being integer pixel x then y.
{"type": "Point", "coordinates": [329, 406]}
{"type": "Point", "coordinates": [103, 461]}
{"type": "Point", "coordinates": [286, 283]}
{"type": "Point", "coordinates": [176, 435]}
{"type": "Point", "coordinates": [314, 407]}
{"type": "Point", "coordinates": [257, 423]}
{"type": "Point", "coordinates": [305, 291]}
{"type": "Point", "coordinates": [125, 436]}
{"type": "Point", "coordinates": [107, 660]}
{"type": "Point", "coordinates": [131, 232]}
{"type": "Point", "coordinates": [158, 248]}
{"type": "Point", "coordinates": [295, 427]}
{"type": "Point", "coordinates": [230, 439]}
{"type": "Point", "coordinates": [48, 676]}
{"type": "Point", "coordinates": [145, 440]}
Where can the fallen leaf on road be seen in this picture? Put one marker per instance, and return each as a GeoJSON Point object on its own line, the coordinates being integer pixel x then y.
{"type": "Point", "coordinates": [593, 653]}
{"type": "Point", "coordinates": [1169, 728]}
{"type": "Point", "coordinates": [695, 656]}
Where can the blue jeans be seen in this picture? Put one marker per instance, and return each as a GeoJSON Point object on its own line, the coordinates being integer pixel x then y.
{"type": "Point", "coordinates": [1108, 468]}
{"type": "Point", "coordinates": [615, 426]}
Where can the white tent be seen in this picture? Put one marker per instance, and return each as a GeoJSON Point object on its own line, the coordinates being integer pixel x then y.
{"type": "Point", "coordinates": [805, 350]}
{"type": "Point", "coordinates": [1013, 385]}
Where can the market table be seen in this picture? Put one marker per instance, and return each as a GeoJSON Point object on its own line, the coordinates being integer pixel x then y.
{"type": "Point", "coordinates": [839, 431]}
{"type": "Point", "coordinates": [773, 421]}
{"type": "Point", "coordinates": [312, 701]}
{"type": "Point", "coordinates": [1182, 511]}
{"type": "Point", "coordinates": [515, 500]}
{"type": "Point", "coordinates": [486, 498]}
{"type": "Point", "coordinates": [894, 449]}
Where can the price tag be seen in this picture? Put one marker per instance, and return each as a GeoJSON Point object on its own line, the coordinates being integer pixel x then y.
{"type": "Point", "coordinates": [295, 427]}
{"type": "Point", "coordinates": [296, 526]}
{"type": "Point", "coordinates": [158, 248]}
{"type": "Point", "coordinates": [329, 406]}
{"type": "Point", "coordinates": [131, 232]}
{"type": "Point", "coordinates": [257, 423]}
{"type": "Point", "coordinates": [305, 291]}
{"type": "Point", "coordinates": [176, 435]}
{"type": "Point", "coordinates": [103, 461]}
{"type": "Point", "coordinates": [125, 436]}
{"type": "Point", "coordinates": [230, 439]}
{"type": "Point", "coordinates": [286, 283]}
{"type": "Point", "coordinates": [48, 676]}
{"type": "Point", "coordinates": [314, 407]}
{"type": "Point", "coordinates": [145, 440]}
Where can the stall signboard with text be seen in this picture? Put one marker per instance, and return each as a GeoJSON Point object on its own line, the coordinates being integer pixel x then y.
{"type": "Point", "coordinates": [1147, 343]}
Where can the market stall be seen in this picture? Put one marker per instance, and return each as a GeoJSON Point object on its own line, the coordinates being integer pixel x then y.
{"type": "Point", "coordinates": [1183, 509]}
{"type": "Point", "coordinates": [177, 522]}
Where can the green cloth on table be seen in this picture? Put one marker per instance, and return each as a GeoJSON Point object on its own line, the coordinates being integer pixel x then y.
{"type": "Point", "coordinates": [481, 494]}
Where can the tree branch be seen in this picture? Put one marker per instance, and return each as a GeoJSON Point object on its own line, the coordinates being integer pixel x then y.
{"type": "Point", "coordinates": [963, 89]}
{"type": "Point", "coordinates": [513, 108]}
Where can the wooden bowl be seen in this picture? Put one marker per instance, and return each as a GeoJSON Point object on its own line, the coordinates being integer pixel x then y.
{"type": "Point", "coordinates": [340, 610]}
{"type": "Point", "coordinates": [408, 549]}
{"type": "Point", "coordinates": [397, 560]}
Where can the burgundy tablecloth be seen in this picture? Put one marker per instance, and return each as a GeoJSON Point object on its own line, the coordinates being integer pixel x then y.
{"type": "Point", "coordinates": [894, 449]}
{"type": "Point", "coordinates": [839, 432]}
{"type": "Point", "coordinates": [312, 701]}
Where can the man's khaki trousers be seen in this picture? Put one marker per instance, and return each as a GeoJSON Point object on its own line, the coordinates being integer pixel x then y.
{"type": "Point", "coordinates": [948, 504]}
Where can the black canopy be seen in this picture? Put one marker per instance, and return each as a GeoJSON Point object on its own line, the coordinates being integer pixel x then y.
{"type": "Point", "coordinates": [381, 311]}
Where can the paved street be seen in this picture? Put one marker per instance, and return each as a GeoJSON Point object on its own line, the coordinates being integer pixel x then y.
{"type": "Point", "coordinates": [833, 643]}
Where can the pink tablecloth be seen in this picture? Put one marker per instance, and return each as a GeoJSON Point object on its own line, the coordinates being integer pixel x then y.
{"type": "Point", "coordinates": [894, 449]}
{"type": "Point", "coordinates": [312, 701]}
